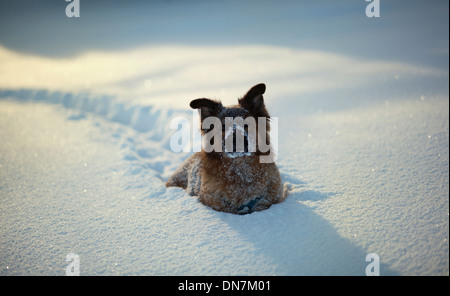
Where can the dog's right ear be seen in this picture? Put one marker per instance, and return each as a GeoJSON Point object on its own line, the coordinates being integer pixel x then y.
{"type": "Point", "coordinates": [253, 101]}
{"type": "Point", "coordinates": [206, 107]}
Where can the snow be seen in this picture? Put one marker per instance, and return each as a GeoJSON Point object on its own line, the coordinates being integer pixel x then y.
{"type": "Point", "coordinates": [362, 181]}
{"type": "Point", "coordinates": [85, 152]}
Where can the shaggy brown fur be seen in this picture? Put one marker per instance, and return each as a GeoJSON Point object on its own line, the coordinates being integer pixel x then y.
{"type": "Point", "coordinates": [238, 185]}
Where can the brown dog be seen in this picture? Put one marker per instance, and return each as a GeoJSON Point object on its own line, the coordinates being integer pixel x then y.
{"type": "Point", "coordinates": [233, 182]}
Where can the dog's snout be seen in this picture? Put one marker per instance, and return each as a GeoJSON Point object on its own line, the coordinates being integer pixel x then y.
{"type": "Point", "coordinates": [236, 147]}
{"type": "Point", "coordinates": [236, 139]}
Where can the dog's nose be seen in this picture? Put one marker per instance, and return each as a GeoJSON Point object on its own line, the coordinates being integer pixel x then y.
{"type": "Point", "coordinates": [239, 138]}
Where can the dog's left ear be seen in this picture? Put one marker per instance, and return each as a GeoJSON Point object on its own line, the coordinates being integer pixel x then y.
{"type": "Point", "coordinates": [206, 107]}
{"type": "Point", "coordinates": [253, 101]}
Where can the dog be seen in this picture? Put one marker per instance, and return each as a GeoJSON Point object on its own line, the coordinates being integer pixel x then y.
{"type": "Point", "coordinates": [232, 181]}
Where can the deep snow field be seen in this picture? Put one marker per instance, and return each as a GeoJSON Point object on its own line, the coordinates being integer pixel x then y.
{"type": "Point", "coordinates": [363, 144]}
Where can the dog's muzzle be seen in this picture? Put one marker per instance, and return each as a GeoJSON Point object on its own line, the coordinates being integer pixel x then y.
{"type": "Point", "coordinates": [236, 142]}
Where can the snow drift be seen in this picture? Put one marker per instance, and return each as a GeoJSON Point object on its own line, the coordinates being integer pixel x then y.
{"type": "Point", "coordinates": [363, 145]}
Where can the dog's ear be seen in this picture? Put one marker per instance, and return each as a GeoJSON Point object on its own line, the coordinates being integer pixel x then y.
{"type": "Point", "coordinates": [253, 101]}
{"type": "Point", "coordinates": [206, 107]}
